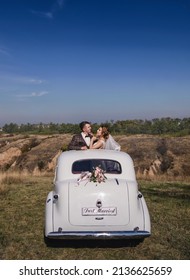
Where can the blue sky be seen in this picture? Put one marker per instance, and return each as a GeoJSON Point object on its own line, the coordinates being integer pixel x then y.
{"type": "Point", "coordinates": [99, 60]}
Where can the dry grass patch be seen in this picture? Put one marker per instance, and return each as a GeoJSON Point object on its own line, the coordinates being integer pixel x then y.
{"type": "Point", "coordinates": [6, 179]}
{"type": "Point", "coordinates": [12, 177]}
{"type": "Point", "coordinates": [22, 224]}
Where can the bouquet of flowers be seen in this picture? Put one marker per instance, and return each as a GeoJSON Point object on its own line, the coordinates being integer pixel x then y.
{"type": "Point", "coordinates": [96, 176]}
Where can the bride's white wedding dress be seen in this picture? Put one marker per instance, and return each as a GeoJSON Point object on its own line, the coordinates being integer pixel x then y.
{"type": "Point", "coordinates": [103, 144]}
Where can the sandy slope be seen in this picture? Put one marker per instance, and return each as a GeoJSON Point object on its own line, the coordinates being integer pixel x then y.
{"type": "Point", "coordinates": [152, 155]}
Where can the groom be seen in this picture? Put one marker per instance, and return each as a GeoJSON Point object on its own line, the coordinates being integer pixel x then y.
{"type": "Point", "coordinates": [81, 141]}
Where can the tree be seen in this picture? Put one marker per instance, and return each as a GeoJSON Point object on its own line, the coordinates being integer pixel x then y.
{"type": "Point", "coordinates": [10, 128]}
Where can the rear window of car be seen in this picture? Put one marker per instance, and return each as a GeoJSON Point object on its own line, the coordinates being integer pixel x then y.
{"type": "Point", "coordinates": [109, 166]}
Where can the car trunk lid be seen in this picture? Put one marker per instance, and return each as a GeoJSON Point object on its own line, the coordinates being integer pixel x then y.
{"type": "Point", "coordinates": [92, 204]}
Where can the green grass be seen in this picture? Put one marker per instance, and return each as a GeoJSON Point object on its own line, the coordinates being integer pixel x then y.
{"type": "Point", "coordinates": [22, 223]}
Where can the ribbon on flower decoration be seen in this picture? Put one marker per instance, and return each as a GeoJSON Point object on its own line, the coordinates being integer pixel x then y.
{"type": "Point", "coordinates": [84, 176]}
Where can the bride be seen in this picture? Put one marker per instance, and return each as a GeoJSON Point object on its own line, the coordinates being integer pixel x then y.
{"type": "Point", "coordinates": [104, 140]}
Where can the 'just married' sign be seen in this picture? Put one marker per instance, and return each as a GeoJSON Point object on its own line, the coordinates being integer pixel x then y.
{"type": "Point", "coordinates": [104, 211]}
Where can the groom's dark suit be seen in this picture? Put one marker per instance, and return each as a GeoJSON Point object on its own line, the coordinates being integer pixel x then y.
{"type": "Point", "coordinates": [77, 142]}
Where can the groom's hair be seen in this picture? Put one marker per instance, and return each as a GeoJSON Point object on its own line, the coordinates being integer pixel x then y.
{"type": "Point", "coordinates": [82, 124]}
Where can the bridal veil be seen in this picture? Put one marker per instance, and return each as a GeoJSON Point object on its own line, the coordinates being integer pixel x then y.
{"type": "Point", "coordinates": [111, 144]}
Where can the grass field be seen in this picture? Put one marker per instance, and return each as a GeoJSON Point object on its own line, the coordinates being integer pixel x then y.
{"type": "Point", "coordinates": [22, 222]}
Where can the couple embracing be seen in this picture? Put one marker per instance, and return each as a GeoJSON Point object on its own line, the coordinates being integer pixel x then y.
{"type": "Point", "coordinates": [86, 140]}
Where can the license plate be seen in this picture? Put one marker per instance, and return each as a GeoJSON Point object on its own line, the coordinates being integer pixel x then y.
{"type": "Point", "coordinates": [103, 211]}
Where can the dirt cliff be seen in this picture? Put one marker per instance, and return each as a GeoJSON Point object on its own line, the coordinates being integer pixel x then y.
{"type": "Point", "coordinates": [152, 155]}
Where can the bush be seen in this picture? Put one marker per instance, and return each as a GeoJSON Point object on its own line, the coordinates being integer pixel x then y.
{"type": "Point", "coordinates": [41, 165]}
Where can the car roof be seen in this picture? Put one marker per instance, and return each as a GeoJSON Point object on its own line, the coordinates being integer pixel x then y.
{"type": "Point", "coordinates": [66, 159]}
{"type": "Point", "coordinates": [94, 153]}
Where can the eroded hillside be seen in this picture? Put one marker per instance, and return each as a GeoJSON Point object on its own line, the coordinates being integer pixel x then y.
{"type": "Point", "coordinates": [152, 155]}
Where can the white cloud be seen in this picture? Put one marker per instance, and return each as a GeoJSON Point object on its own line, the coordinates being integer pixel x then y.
{"type": "Point", "coordinates": [22, 79]}
{"type": "Point", "coordinates": [3, 51]}
{"type": "Point", "coordinates": [26, 80]}
{"type": "Point", "coordinates": [38, 94]}
{"type": "Point", "coordinates": [48, 15]}
{"type": "Point", "coordinates": [58, 5]}
{"type": "Point", "coordinates": [34, 81]}
{"type": "Point", "coordinates": [33, 94]}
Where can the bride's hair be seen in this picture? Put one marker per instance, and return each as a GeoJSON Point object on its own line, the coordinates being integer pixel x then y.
{"type": "Point", "coordinates": [105, 132]}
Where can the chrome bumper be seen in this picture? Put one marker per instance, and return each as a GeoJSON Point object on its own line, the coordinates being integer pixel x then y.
{"type": "Point", "coordinates": [99, 235]}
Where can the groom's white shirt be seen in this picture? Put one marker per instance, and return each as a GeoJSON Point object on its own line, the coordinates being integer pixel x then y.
{"type": "Point", "coordinates": [86, 139]}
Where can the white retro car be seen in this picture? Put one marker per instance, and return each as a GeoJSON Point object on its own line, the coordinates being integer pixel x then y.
{"type": "Point", "coordinates": [96, 196]}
